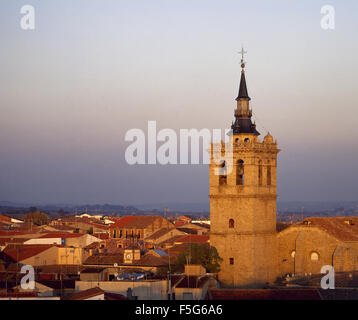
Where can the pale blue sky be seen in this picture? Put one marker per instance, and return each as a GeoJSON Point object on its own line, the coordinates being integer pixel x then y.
{"type": "Point", "coordinates": [93, 69]}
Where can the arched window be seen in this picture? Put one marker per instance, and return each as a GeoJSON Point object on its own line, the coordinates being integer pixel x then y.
{"type": "Point", "coordinates": [260, 173]}
{"type": "Point", "coordinates": [314, 256]}
{"type": "Point", "coordinates": [223, 177]}
{"type": "Point", "coordinates": [231, 223]}
{"type": "Point", "coordinates": [231, 260]}
{"type": "Point", "coordinates": [268, 173]}
{"type": "Point", "coordinates": [114, 233]}
{"type": "Point", "coordinates": [240, 173]}
{"type": "Point", "coordinates": [247, 140]}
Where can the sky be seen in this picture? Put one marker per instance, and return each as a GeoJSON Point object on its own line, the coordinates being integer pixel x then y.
{"type": "Point", "coordinates": [93, 69]}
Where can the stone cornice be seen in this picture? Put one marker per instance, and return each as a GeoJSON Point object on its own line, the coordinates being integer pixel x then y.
{"type": "Point", "coordinates": [236, 196]}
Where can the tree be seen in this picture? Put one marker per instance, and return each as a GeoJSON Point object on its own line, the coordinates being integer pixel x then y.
{"type": "Point", "coordinates": [38, 218]}
{"type": "Point", "coordinates": [202, 254]}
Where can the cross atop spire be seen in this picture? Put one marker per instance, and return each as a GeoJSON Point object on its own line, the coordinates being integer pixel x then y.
{"type": "Point", "coordinates": [242, 52]}
{"type": "Point", "coordinates": [243, 88]}
{"type": "Point", "coordinates": [243, 113]}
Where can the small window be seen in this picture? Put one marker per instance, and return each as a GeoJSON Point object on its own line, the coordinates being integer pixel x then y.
{"type": "Point", "coordinates": [247, 140]}
{"type": "Point", "coordinates": [231, 223]}
{"type": "Point", "coordinates": [240, 173]}
{"type": "Point", "coordinates": [223, 178]}
{"type": "Point", "coordinates": [231, 261]}
{"type": "Point", "coordinates": [293, 254]}
{"type": "Point", "coordinates": [314, 256]}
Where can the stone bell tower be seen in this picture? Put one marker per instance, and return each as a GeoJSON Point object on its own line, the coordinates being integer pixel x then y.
{"type": "Point", "coordinates": [243, 201]}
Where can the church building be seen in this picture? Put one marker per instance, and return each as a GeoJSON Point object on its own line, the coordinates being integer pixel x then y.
{"type": "Point", "coordinates": [243, 202]}
{"type": "Point", "coordinates": [243, 214]}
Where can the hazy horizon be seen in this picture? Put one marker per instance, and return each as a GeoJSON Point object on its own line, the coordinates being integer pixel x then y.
{"type": "Point", "coordinates": [91, 71]}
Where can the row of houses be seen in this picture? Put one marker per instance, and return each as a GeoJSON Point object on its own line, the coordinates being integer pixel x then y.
{"type": "Point", "coordinates": [84, 254]}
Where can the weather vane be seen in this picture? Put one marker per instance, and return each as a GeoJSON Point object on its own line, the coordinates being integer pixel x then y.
{"type": "Point", "coordinates": [242, 52]}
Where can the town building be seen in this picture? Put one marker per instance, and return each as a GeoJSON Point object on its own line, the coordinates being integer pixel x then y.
{"type": "Point", "coordinates": [243, 201]}
{"type": "Point", "coordinates": [133, 229]}
{"type": "Point", "coordinates": [243, 215]}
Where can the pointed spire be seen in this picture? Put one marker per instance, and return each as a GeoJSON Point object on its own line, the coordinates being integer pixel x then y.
{"type": "Point", "coordinates": [243, 113]}
{"type": "Point", "coordinates": [243, 88]}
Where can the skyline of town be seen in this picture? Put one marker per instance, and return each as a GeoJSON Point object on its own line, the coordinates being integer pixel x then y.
{"type": "Point", "coordinates": [191, 153]}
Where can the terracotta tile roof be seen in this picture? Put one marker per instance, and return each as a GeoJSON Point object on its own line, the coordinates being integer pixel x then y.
{"type": "Point", "coordinates": [123, 221]}
{"type": "Point", "coordinates": [102, 236]}
{"type": "Point", "coordinates": [180, 223]}
{"type": "Point", "coordinates": [11, 233]}
{"type": "Point", "coordinates": [74, 220]}
{"type": "Point", "coordinates": [135, 222]}
{"type": "Point", "coordinates": [97, 225]}
{"type": "Point", "coordinates": [264, 294]}
{"type": "Point", "coordinates": [93, 245]}
{"type": "Point", "coordinates": [4, 241]}
{"type": "Point", "coordinates": [158, 234]}
{"type": "Point", "coordinates": [104, 259]}
{"type": "Point", "coordinates": [85, 294]}
{"type": "Point", "coordinates": [171, 240]}
{"type": "Point", "coordinates": [151, 261]}
{"type": "Point", "coordinates": [5, 218]}
{"type": "Point", "coordinates": [22, 252]}
{"type": "Point", "coordinates": [114, 296]}
{"type": "Point", "coordinates": [18, 295]}
{"type": "Point", "coordinates": [342, 228]}
{"type": "Point", "coordinates": [178, 248]}
{"type": "Point", "coordinates": [194, 238]}
{"type": "Point", "coordinates": [111, 245]}
{"type": "Point", "coordinates": [143, 221]}
{"type": "Point", "coordinates": [61, 235]}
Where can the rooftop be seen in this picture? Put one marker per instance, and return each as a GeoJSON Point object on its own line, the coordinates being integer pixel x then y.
{"type": "Point", "coordinates": [85, 294]}
{"type": "Point", "coordinates": [342, 228]}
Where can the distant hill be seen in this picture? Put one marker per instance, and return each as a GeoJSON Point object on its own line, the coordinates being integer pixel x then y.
{"type": "Point", "coordinates": [324, 208]}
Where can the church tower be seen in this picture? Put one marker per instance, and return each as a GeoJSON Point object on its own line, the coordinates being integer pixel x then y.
{"type": "Point", "coordinates": [243, 201]}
